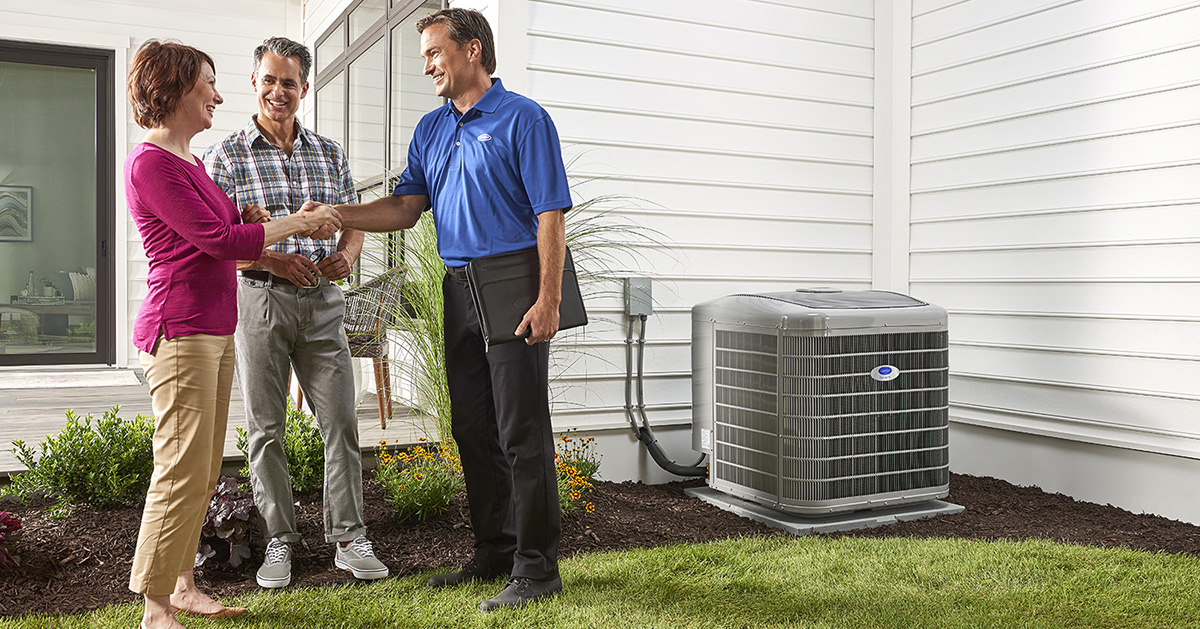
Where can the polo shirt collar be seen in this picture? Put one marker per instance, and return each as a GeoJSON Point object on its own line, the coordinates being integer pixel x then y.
{"type": "Point", "coordinates": [486, 105]}
{"type": "Point", "coordinates": [254, 134]}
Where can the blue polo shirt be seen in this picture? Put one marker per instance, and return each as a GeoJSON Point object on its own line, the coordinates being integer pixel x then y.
{"type": "Point", "coordinates": [488, 173]}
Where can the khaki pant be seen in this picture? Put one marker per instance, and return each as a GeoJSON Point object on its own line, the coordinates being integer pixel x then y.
{"type": "Point", "coordinates": [190, 379]}
{"type": "Point", "coordinates": [282, 326]}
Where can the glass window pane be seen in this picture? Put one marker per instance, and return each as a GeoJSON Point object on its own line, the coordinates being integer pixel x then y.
{"type": "Point", "coordinates": [333, 46]}
{"type": "Point", "coordinates": [331, 109]}
{"type": "Point", "coordinates": [412, 91]}
{"type": "Point", "coordinates": [362, 18]}
{"type": "Point", "coordinates": [47, 209]}
{"type": "Point", "coordinates": [366, 111]}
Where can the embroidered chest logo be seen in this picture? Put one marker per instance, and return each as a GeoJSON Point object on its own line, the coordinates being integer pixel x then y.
{"type": "Point", "coordinates": [483, 137]}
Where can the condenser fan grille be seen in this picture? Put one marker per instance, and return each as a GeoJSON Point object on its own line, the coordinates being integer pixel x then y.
{"type": "Point", "coordinates": [801, 418]}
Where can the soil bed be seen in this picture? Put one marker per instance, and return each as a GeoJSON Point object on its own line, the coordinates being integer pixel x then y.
{"type": "Point", "coordinates": [82, 562]}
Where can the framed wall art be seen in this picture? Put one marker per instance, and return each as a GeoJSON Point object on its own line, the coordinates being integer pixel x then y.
{"type": "Point", "coordinates": [16, 213]}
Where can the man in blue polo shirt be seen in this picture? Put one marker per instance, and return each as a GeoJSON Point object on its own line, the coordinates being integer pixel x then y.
{"type": "Point", "coordinates": [489, 165]}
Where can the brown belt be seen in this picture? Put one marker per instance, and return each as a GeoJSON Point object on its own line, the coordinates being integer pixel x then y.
{"type": "Point", "coordinates": [271, 278]}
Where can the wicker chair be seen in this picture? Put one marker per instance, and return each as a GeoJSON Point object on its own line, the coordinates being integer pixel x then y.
{"type": "Point", "coordinates": [370, 308]}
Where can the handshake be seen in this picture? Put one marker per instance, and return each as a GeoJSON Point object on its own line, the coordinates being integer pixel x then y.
{"type": "Point", "coordinates": [314, 220]}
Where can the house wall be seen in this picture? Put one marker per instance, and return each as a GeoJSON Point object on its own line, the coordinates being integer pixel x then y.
{"type": "Point", "coordinates": [1054, 189]}
{"type": "Point", "coordinates": [1029, 165]}
{"type": "Point", "coordinates": [748, 148]}
{"type": "Point", "coordinates": [740, 132]}
{"type": "Point", "coordinates": [228, 30]}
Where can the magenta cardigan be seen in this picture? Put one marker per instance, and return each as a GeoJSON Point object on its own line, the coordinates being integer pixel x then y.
{"type": "Point", "coordinates": [193, 237]}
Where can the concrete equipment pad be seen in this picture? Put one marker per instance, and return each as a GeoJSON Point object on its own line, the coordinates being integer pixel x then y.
{"type": "Point", "coordinates": [801, 525]}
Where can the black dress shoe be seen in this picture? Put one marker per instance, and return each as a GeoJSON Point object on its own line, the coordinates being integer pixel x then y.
{"type": "Point", "coordinates": [520, 591]}
{"type": "Point", "coordinates": [475, 569]}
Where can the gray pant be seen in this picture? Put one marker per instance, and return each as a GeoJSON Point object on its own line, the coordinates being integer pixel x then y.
{"type": "Point", "coordinates": [282, 325]}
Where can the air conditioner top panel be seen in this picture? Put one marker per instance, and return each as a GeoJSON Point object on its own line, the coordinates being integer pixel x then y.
{"type": "Point", "coordinates": [822, 309]}
{"type": "Point", "coordinates": [833, 299]}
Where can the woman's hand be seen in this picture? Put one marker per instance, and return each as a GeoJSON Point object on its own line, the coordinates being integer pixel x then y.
{"type": "Point", "coordinates": [322, 220]}
{"type": "Point", "coordinates": [254, 213]}
{"type": "Point", "coordinates": [327, 229]}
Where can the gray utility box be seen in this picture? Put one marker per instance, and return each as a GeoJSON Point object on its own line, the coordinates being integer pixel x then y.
{"type": "Point", "coordinates": [818, 401]}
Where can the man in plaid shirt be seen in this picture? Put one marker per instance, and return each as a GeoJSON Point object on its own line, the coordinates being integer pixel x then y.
{"type": "Point", "coordinates": [290, 315]}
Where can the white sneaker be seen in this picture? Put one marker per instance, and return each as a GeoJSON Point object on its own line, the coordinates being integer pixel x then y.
{"type": "Point", "coordinates": [359, 558]}
{"type": "Point", "coordinates": [276, 570]}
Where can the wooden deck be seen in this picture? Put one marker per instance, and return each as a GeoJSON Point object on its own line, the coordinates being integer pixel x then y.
{"type": "Point", "coordinates": [31, 414]}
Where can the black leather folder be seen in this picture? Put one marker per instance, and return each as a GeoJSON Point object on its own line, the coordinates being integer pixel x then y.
{"type": "Point", "coordinates": [506, 285]}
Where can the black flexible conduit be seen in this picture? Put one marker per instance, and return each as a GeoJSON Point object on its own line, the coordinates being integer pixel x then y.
{"type": "Point", "coordinates": [643, 431]}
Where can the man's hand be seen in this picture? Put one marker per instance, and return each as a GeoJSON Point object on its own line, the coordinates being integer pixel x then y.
{"type": "Point", "coordinates": [336, 266]}
{"type": "Point", "coordinates": [296, 268]}
{"type": "Point", "coordinates": [542, 322]}
{"type": "Point", "coordinates": [254, 213]}
{"type": "Point", "coordinates": [325, 232]}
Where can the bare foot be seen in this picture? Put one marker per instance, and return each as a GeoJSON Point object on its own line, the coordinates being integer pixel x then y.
{"type": "Point", "coordinates": [158, 614]}
{"type": "Point", "coordinates": [196, 602]}
{"type": "Point", "coordinates": [188, 599]}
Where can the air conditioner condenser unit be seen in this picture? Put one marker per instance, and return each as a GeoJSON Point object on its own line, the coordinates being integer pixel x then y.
{"type": "Point", "coordinates": [820, 401]}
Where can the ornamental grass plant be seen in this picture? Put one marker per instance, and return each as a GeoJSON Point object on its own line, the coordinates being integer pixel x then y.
{"type": "Point", "coordinates": [605, 243]}
{"type": "Point", "coordinates": [420, 482]}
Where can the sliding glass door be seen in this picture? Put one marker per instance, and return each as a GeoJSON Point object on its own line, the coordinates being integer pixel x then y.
{"type": "Point", "coordinates": [56, 205]}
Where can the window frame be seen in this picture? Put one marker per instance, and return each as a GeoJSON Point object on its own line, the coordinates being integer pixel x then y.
{"type": "Point", "coordinates": [103, 63]}
{"type": "Point", "coordinates": [396, 12]}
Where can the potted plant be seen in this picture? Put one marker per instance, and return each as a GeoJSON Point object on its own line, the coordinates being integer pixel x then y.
{"type": "Point", "coordinates": [48, 288]}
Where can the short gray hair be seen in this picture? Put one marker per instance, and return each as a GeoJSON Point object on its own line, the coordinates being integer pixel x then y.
{"type": "Point", "coordinates": [285, 47]}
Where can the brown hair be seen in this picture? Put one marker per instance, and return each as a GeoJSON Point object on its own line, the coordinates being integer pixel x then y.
{"type": "Point", "coordinates": [162, 73]}
{"type": "Point", "coordinates": [463, 25]}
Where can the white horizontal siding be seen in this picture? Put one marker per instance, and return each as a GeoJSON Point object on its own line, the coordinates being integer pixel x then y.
{"type": "Point", "coordinates": [744, 131]}
{"type": "Point", "coordinates": [1055, 186]}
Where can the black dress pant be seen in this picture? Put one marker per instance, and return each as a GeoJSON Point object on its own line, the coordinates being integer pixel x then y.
{"type": "Point", "coordinates": [500, 417]}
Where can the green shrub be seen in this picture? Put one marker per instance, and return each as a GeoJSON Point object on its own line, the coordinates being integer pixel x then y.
{"type": "Point", "coordinates": [303, 447]}
{"type": "Point", "coordinates": [101, 464]}
{"type": "Point", "coordinates": [576, 462]}
{"type": "Point", "coordinates": [419, 483]}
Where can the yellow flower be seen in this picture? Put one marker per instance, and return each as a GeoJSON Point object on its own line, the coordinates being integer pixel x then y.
{"type": "Point", "coordinates": [383, 442]}
{"type": "Point", "coordinates": [575, 494]}
{"type": "Point", "coordinates": [424, 439]}
{"type": "Point", "coordinates": [419, 476]}
{"type": "Point", "coordinates": [590, 508]}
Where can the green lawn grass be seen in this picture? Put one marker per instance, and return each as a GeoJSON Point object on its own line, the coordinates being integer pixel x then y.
{"type": "Point", "coordinates": [775, 582]}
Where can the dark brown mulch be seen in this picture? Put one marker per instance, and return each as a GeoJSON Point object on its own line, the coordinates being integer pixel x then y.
{"type": "Point", "coordinates": [82, 562]}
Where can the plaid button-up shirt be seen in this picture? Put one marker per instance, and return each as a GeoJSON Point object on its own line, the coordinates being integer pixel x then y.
{"type": "Point", "coordinates": [252, 170]}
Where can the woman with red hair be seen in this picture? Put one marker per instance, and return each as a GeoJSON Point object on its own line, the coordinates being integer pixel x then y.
{"type": "Point", "coordinates": [193, 235]}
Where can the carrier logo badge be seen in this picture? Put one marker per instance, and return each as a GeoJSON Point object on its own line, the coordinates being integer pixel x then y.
{"type": "Point", "coordinates": [483, 137]}
{"type": "Point", "coordinates": [883, 373]}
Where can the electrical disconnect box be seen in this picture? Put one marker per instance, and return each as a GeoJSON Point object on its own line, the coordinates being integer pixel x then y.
{"type": "Point", "coordinates": [637, 297]}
